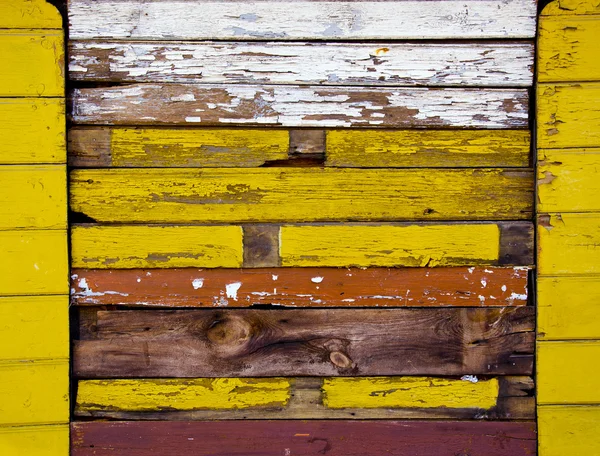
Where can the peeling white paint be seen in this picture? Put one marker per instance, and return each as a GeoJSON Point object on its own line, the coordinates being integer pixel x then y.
{"type": "Point", "coordinates": [193, 119]}
{"type": "Point", "coordinates": [231, 290]}
{"type": "Point", "coordinates": [483, 283]}
{"type": "Point", "coordinates": [274, 277]}
{"type": "Point", "coordinates": [481, 298]}
{"type": "Point", "coordinates": [471, 270]}
{"type": "Point", "coordinates": [317, 279]}
{"type": "Point", "coordinates": [470, 378]}
{"type": "Point", "coordinates": [86, 291]}
{"type": "Point", "coordinates": [517, 296]}
{"type": "Point", "coordinates": [197, 283]}
{"type": "Point", "coordinates": [503, 288]}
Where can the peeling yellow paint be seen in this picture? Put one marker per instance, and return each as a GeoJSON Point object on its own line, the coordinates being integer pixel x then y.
{"type": "Point", "coordinates": [29, 14]}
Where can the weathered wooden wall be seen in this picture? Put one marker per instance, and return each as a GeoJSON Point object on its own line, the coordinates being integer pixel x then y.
{"type": "Point", "coordinates": [568, 228]}
{"type": "Point", "coordinates": [34, 302]}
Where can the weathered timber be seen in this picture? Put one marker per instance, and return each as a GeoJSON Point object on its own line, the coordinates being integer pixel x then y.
{"type": "Point", "coordinates": [321, 20]}
{"type": "Point", "coordinates": [49, 440]}
{"type": "Point", "coordinates": [340, 342]}
{"type": "Point", "coordinates": [428, 148]}
{"type": "Point", "coordinates": [261, 246]}
{"type": "Point", "coordinates": [294, 106]}
{"type": "Point", "coordinates": [568, 430]}
{"type": "Point", "coordinates": [302, 287]}
{"type": "Point", "coordinates": [156, 246]}
{"type": "Point", "coordinates": [373, 64]}
{"type": "Point", "coordinates": [29, 14]}
{"type": "Point", "coordinates": [571, 7]}
{"type": "Point", "coordinates": [310, 438]}
{"type": "Point", "coordinates": [306, 398]}
{"type": "Point", "coordinates": [300, 194]}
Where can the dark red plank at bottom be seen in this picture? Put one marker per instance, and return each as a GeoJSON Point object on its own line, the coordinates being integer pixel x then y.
{"type": "Point", "coordinates": [303, 438]}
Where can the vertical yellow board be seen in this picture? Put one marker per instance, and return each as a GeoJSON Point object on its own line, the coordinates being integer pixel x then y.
{"type": "Point", "coordinates": [568, 372]}
{"type": "Point", "coordinates": [33, 62]}
{"type": "Point", "coordinates": [34, 393]}
{"type": "Point", "coordinates": [28, 14]}
{"type": "Point", "coordinates": [126, 247]}
{"type": "Point", "coordinates": [34, 327]}
{"type": "Point", "coordinates": [388, 245]}
{"type": "Point", "coordinates": [50, 440]}
{"type": "Point", "coordinates": [569, 430]}
{"type": "Point", "coordinates": [33, 262]}
{"type": "Point", "coordinates": [33, 196]}
{"type": "Point", "coordinates": [32, 131]}
{"type": "Point", "coordinates": [568, 308]}
{"type": "Point", "coordinates": [568, 244]}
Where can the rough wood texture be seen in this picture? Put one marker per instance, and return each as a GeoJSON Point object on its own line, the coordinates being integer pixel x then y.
{"type": "Point", "coordinates": [568, 308]}
{"type": "Point", "coordinates": [32, 130]}
{"type": "Point", "coordinates": [428, 148]}
{"type": "Point", "coordinates": [309, 438]}
{"type": "Point", "coordinates": [300, 195]}
{"type": "Point", "coordinates": [251, 343]}
{"type": "Point", "coordinates": [571, 7]}
{"type": "Point", "coordinates": [261, 246]}
{"type": "Point", "coordinates": [293, 106]}
{"type": "Point", "coordinates": [376, 64]}
{"type": "Point", "coordinates": [302, 287]}
{"type": "Point", "coordinates": [49, 440]}
{"type": "Point", "coordinates": [29, 14]}
{"type": "Point", "coordinates": [568, 115]}
{"type": "Point", "coordinates": [129, 247]}
{"type": "Point", "coordinates": [568, 244]}
{"type": "Point", "coordinates": [307, 398]}
{"type": "Point", "coordinates": [569, 430]}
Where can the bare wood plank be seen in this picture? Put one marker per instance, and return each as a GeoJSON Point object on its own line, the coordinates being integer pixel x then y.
{"type": "Point", "coordinates": [261, 246]}
{"type": "Point", "coordinates": [300, 194]}
{"type": "Point", "coordinates": [332, 342]}
{"type": "Point", "coordinates": [374, 64]}
{"type": "Point", "coordinates": [293, 106]}
{"type": "Point", "coordinates": [302, 287]}
{"type": "Point", "coordinates": [325, 20]}
{"type": "Point", "coordinates": [310, 438]}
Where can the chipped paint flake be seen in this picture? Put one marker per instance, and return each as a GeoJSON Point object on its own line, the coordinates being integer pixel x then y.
{"type": "Point", "coordinates": [231, 290]}
{"type": "Point", "coordinates": [197, 283]}
{"type": "Point", "coordinates": [317, 279]}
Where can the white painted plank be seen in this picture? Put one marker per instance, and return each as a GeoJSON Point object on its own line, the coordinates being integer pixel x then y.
{"type": "Point", "coordinates": [293, 20]}
{"type": "Point", "coordinates": [376, 64]}
{"type": "Point", "coordinates": [293, 106]}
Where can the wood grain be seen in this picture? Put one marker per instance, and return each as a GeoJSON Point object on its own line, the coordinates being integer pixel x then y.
{"type": "Point", "coordinates": [29, 14]}
{"type": "Point", "coordinates": [294, 106]}
{"type": "Point", "coordinates": [48, 440]}
{"type": "Point", "coordinates": [568, 430]}
{"type": "Point", "coordinates": [250, 343]}
{"type": "Point", "coordinates": [371, 64]}
{"type": "Point", "coordinates": [300, 195]}
{"type": "Point", "coordinates": [336, 438]}
{"type": "Point", "coordinates": [302, 287]}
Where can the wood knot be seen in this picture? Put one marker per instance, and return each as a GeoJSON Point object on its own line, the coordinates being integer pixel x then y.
{"type": "Point", "coordinates": [230, 331]}
{"type": "Point", "coordinates": [340, 359]}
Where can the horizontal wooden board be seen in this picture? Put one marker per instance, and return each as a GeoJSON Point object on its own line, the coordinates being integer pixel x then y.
{"type": "Point", "coordinates": [28, 14]}
{"type": "Point", "coordinates": [428, 148]}
{"type": "Point", "coordinates": [32, 130]}
{"type": "Point", "coordinates": [568, 372]}
{"type": "Point", "coordinates": [34, 327]}
{"type": "Point", "coordinates": [568, 115]}
{"type": "Point", "coordinates": [568, 244]}
{"type": "Point", "coordinates": [128, 247]}
{"type": "Point", "coordinates": [33, 62]}
{"type": "Point", "coordinates": [33, 196]}
{"type": "Point", "coordinates": [49, 440]}
{"type": "Point", "coordinates": [301, 287]}
{"type": "Point", "coordinates": [182, 147]}
{"type": "Point", "coordinates": [568, 180]}
{"type": "Point", "coordinates": [571, 7]}
{"type": "Point", "coordinates": [567, 48]}
{"type": "Point", "coordinates": [377, 64]}
{"type": "Point", "coordinates": [34, 262]}
{"type": "Point", "coordinates": [568, 307]}
{"type": "Point", "coordinates": [259, 343]}
{"type": "Point", "coordinates": [306, 398]}
{"type": "Point", "coordinates": [568, 430]}
{"type": "Point", "coordinates": [34, 393]}
{"type": "Point", "coordinates": [310, 438]}
{"type": "Point", "coordinates": [295, 106]}
{"type": "Point", "coordinates": [300, 195]}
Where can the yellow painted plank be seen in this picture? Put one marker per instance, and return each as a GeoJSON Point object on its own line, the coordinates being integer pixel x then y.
{"type": "Point", "coordinates": [29, 14]}
{"type": "Point", "coordinates": [571, 7]}
{"type": "Point", "coordinates": [299, 194]}
{"type": "Point", "coordinates": [50, 440]}
{"type": "Point", "coordinates": [182, 394]}
{"type": "Point", "coordinates": [384, 245]}
{"type": "Point", "coordinates": [409, 392]}
{"type": "Point", "coordinates": [33, 262]}
{"type": "Point", "coordinates": [567, 372]}
{"type": "Point", "coordinates": [568, 115]}
{"type": "Point", "coordinates": [428, 148]}
{"type": "Point", "coordinates": [34, 327]}
{"type": "Point", "coordinates": [33, 196]}
{"type": "Point", "coordinates": [149, 147]}
{"type": "Point", "coordinates": [567, 48]}
{"type": "Point", "coordinates": [33, 63]}
{"type": "Point", "coordinates": [32, 130]}
{"type": "Point", "coordinates": [568, 307]}
{"type": "Point", "coordinates": [127, 247]}
{"type": "Point", "coordinates": [569, 180]}
{"type": "Point", "coordinates": [34, 393]}
{"type": "Point", "coordinates": [569, 244]}
{"type": "Point", "coordinates": [568, 430]}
